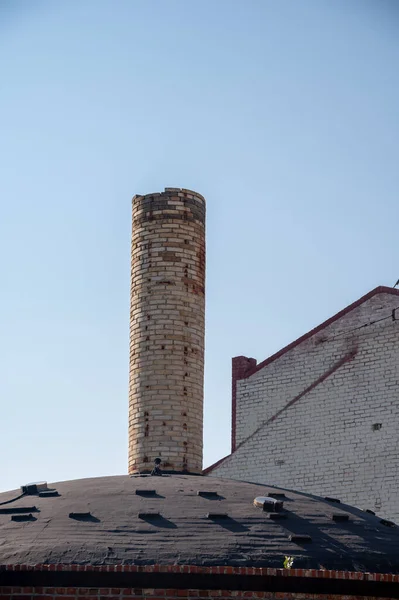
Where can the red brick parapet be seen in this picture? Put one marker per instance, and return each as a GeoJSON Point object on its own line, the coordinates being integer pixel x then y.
{"type": "Point", "coordinates": [213, 570]}
{"type": "Point", "coordinates": [157, 582]}
{"type": "Point", "coordinates": [241, 367]}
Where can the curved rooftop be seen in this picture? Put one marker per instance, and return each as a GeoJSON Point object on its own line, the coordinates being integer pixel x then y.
{"type": "Point", "coordinates": [190, 520]}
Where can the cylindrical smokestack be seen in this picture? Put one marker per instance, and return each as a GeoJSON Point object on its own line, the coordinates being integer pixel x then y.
{"type": "Point", "coordinates": [167, 326]}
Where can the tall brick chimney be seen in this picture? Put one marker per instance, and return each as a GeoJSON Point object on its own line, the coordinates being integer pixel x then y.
{"type": "Point", "coordinates": [167, 327]}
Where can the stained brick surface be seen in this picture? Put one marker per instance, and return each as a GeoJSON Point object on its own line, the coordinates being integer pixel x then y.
{"type": "Point", "coordinates": [325, 443]}
{"type": "Point", "coordinates": [167, 331]}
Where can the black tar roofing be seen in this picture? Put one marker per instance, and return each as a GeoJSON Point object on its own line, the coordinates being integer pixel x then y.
{"type": "Point", "coordinates": [123, 527]}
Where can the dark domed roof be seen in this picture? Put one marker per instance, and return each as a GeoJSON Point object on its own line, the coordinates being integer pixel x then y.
{"type": "Point", "coordinates": [114, 520]}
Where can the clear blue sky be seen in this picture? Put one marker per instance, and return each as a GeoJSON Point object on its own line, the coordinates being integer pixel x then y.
{"type": "Point", "coordinates": [284, 114]}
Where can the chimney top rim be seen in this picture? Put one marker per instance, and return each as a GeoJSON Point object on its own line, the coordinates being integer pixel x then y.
{"type": "Point", "coordinates": [171, 191]}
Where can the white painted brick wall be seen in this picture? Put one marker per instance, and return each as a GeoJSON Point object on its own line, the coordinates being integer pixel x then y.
{"type": "Point", "coordinates": [325, 444]}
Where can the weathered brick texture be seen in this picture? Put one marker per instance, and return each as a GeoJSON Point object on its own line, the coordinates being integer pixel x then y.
{"type": "Point", "coordinates": [323, 417]}
{"type": "Point", "coordinates": [268, 583]}
{"type": "Point", "coordinates": [241, 366]}
{"type": "Point", "coordinates": [36, 593]}
{"type": "Point", "coordinates": [167, 331]}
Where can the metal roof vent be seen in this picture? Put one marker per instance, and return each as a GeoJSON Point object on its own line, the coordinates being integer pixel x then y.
{"type": "Point", "coordinates": [18, 510]}
{"type": "Point", "coordinates": [82, 516]}
{"type": "Point", "coordinates": [268, 504]}
{"type": "Point", "coordinates": [48, 493]}
{"type": "Point", "coordinates": [149, 515]}
{"type": "Point", "coordinates": [340, 517]}
{"type": "Point", "coordinates": [276, 516]}
{"type": "Point", "coordinates": [29, 517]}
{"type": "Point", "coordinates": [387, 523]}
{"type": "Point", "coordinates": [34, 488]}
{"type": "Point", "coordinates": [300, 539]}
